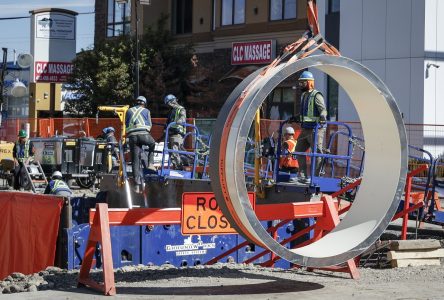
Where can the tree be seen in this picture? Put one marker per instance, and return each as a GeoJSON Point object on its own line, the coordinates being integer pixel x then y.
{"type": "Point", "coordinates": [104, 75]}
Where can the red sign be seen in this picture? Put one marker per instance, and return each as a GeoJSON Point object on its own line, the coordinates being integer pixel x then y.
{"type": "Point", "coordinates": [201, 214]}
{"type": "Point", "coordinates": [261, 52]}
{"type": "Point", "coordinates": [52, 71]}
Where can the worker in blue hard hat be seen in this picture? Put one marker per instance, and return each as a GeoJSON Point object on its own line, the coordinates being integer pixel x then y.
{"type": "Point", "coordinates": [112, 145]}
{"type": "Point", "coordinates": [23, 154]}
{"type": "Point", "coordinates": [313, 113]}
{"type": "Point", "coordinates": [57, 186]}
{"type": "Point", "coordinates": [138, 131]}
{"type": "Point", "coordinates": [176, 131]}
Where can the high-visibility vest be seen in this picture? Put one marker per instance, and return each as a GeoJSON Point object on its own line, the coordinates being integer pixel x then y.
{"type": "Point", "coordinates": [137, 122]}
{"type": "Point", "coordinates": [22, 156]}
{"type": "Point", "coordinates": [59, 185]}
{"type": "Point", "coordinates": [178, 128]}
{"type": "Point", "coordinates": [308, 112]}
{"type": "Point", "coordinates": [288, 161]}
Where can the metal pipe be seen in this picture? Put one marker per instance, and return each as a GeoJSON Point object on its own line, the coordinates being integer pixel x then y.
{"type": "Point", "coordinates": [386, 151]}
{"type": "Point", "coordinates": [257, 155]}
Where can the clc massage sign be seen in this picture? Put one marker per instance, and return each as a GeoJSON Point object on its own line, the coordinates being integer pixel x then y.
{"type": "Point", "coordinates": [52, 71]}
{"type": "Point", "coordinates": [260, 52]}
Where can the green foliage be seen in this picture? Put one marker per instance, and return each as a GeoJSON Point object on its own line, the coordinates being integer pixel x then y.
{"type": "Point", "coordinates": [105, 75]}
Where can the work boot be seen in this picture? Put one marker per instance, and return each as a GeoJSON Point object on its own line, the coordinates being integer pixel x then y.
{"type": "Point", "coordinates": [304, 180]}
{"type": "Point", "coordinates": [137, 188]}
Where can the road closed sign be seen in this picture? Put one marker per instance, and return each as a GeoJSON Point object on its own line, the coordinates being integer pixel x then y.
{"type": "Point", "coordinates": [201, 215]}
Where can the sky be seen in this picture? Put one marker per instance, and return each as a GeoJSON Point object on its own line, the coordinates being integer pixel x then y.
{"type": "Point", "coordinates": [15, 34]}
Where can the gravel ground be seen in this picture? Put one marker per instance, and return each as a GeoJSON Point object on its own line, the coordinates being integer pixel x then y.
{"type": "Point", "coordinates": [232, 281]}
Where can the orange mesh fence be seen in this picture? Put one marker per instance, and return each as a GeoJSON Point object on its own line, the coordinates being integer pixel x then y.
{"type": "Point", "coordinates": [10, 127]}
{"type": "Point", "coordinates": [425, 136]}
{"type": "Point", "coordinates": [70, 127]}
{"type": "Point", "coordinates": [95, 126]}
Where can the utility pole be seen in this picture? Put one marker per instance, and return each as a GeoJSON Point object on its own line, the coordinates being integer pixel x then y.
{"type": "Point", "coordinates": [137, 64]}
{"type": "Point", "coordinates": [2, 79]}
{"type": "Point", "coordinates": [137, 51]}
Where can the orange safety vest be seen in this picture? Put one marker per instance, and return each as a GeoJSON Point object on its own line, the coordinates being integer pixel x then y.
{"type": "Point", "coordinates": [288, 161]}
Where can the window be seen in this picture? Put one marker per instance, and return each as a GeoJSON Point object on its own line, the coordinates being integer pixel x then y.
{"type": "Point", "coordinates": [182, 16]}
{"type": "Point", "coordinates": [119, 18]}
{"type": "Point", "coordinates": [281, 103]}
{"type": "Point", "coordinates": [334, 6]}
{"type": "Point", "coordinates": [233, 12]}
{"type": "Point", "coordinates": [282, 9]}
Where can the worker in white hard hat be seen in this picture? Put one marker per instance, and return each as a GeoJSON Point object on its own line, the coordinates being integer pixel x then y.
{"type": "Point", "coordinates": [57, 186]}
{"type": "Point", "coordinates": [312, 114]}
{"type": "Point", "coordinates": [138, 131]}
{"type": "Point", "coordinates": [176, 132]}
{"type": "Point", "coordinates": [287, 162]}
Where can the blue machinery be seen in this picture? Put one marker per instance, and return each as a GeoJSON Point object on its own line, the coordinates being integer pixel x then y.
{"type": "Point", "coordinates": [165, 244]}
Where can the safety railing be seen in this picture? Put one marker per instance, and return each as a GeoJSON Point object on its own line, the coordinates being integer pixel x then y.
{"type": "Point", "coordinates": [314, 154]}
{"type": "Point", "coordinates": [194, 133]}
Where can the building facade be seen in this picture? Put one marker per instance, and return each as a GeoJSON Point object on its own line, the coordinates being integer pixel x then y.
{"type": "Point", "coordinates": [401, 41]}
{"type": "Point", "coordinates": [231, 39]}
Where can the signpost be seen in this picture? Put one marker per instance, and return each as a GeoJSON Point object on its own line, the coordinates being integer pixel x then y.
{"type": "Point", "coordinates": [53, 46]}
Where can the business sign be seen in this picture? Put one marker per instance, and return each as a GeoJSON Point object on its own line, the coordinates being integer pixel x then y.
{"type": "Point", "coordinates": [190, 248]}
{"type": "Point", "coordinates": [53, 44]}
{"type": "Point", "coordinates": [55, 26]}
{"type": "Point", "coordinates": [52, 71]}
{"type": "Point", "coordinates": [201, 214]}
{"type": "Point", "coordinates": [259, 52]}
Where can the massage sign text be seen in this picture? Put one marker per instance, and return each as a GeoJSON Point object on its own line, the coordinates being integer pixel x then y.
{"type": "Point", "coordinates": [52, 71]}
{"type": "Point", "coordinates": [260, 52]}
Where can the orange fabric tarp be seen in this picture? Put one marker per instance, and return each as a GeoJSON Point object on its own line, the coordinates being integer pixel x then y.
{"type": "Point", "coordinates": [28, 232]}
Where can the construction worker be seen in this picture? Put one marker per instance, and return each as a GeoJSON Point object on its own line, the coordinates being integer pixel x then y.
{"type": "Point", "coordinates": [138, 128]}
{"type": "Point", "coordinates": [289, 163]}
{"type": "Point", "coordinates": [312, 114]}
{"type": "Point", "coordinates": [57, 186]}
{"type": "Point", "coordinates": [23, 153]}
{"type": "Point", "coordinates": [112, 144]}
{"type": "Point", "coordinates": [176, 131]}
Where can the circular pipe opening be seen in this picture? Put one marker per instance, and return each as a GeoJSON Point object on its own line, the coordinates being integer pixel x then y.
{"type": "Point", "coordinates": [385, 163]}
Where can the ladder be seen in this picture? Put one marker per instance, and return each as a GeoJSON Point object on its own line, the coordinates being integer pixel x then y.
{"type": "Point", "coordinates": [34, 177]}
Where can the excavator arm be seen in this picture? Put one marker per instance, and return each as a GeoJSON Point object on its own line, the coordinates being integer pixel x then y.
{"type": "Point", "coordinates": [120, 111]}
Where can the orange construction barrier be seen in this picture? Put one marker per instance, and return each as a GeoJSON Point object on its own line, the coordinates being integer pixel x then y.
{"type": "Point", "coordinates": [29, 226]}
{"type": "Point", "coordinates": [101, 219]}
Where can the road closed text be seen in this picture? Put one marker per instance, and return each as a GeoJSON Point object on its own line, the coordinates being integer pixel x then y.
{"type": "Point", "coordinates": [201, 215]}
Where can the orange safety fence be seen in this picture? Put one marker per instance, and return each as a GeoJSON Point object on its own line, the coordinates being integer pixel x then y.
{"type": "Point", "coordinates": [70, 127]}
{"type": "Point", "coordinates": [426, 136]}
{"type": "Point", "coordinates": [29, 226]}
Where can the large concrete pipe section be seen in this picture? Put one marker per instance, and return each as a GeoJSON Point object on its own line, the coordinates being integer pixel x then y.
{"type": "Point", "coordinates": [385, 160]}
